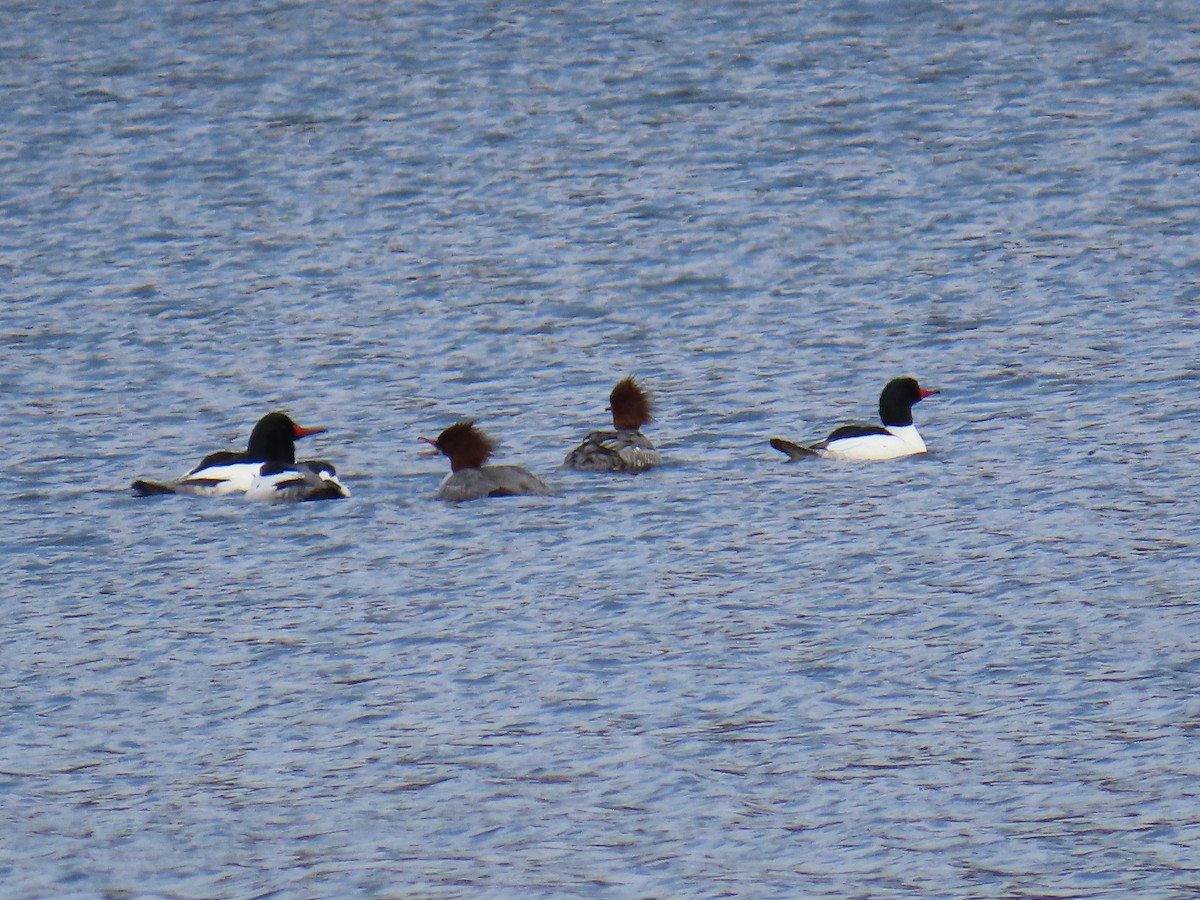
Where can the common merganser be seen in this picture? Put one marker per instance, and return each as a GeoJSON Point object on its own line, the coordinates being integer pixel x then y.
{"type": "Point", "coordinates": [468, 449]}
{"type": "Point", "coordinates": [623, 450]}
{"type": "Point", "coordinates": [265, 470]}
{"type": "Point", "coordinates": [898, 437]}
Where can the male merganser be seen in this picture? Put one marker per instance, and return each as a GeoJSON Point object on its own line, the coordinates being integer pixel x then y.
{"type": "Point", "coordinates": [469, 479]}
{"type": "Point", "coordinates": [898, 436]}
{"type": "Point", "coordinates": [623, 450]}
{"type": "Point", "coordinates": [265, 470]}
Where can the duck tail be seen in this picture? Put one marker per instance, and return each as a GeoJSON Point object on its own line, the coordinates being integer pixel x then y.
{"type": "Point", "coordinates": [793, 451]}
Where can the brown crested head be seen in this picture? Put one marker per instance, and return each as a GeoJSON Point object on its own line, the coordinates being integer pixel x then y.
{"type": "Point", "coordinates": [630, 405]}
{"type": "Point", "coordinates": [466, 446]}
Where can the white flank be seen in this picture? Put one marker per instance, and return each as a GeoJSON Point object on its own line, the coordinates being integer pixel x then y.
{"type": "Point", "coordinates": [902, 441]}
{"type": "Point", "coordinates": [232, 479]}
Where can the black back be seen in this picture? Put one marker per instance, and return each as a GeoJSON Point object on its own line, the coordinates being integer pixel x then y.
{"type": "Point", "coordinates": [852, 431]}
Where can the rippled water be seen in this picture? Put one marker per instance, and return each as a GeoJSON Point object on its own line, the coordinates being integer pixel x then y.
{"type": "Point", "coordinates": [969, 674]}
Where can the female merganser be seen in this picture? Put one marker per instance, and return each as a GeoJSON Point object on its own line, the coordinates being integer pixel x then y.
{"type": "Point", "coordinates": [265, 470]}
{"type": "Point", "coordinates": [623, 450]}
{"type": "Point", "coordinates": [898, 436]}
{"type": "Point", "coordinates": [469, 479]}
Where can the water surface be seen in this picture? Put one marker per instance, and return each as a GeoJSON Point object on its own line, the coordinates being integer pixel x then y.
{"type": "Point", "coordinates": [968, 674]}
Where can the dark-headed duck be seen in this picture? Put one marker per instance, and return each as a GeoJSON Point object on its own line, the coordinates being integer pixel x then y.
{"type": "Point", "coordinates": [265, 470]}
{"type": "Point", "coordinates": [896, 438]}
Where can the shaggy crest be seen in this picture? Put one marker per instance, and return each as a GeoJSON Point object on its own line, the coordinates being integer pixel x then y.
{"type": "Point", "coordinates": [630, 405]}
{"type": "Point", "coordinates": [466, 446]}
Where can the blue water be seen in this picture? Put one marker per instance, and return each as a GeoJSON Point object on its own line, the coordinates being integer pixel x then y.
{"type": "Point", "coordinates": [970, 674]}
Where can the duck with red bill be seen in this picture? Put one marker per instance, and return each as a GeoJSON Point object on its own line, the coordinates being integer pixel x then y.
{"type": "Point", "coordinates": [266, 470]}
